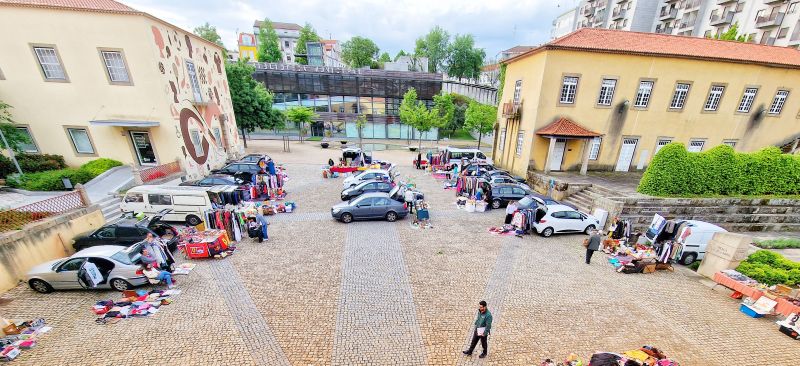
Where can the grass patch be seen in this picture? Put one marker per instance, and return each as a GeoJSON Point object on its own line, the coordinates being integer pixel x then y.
{"type": "Point", "coordinates": [314, 138]}
{"type": "Point", "coordinates": [461, 134]}
{"type": "Point", "coordinates": [50, 180]}
{"type": "Point", "coordinates": [694, 266]}
{"type": "Point", "coordinates": [778, 243]}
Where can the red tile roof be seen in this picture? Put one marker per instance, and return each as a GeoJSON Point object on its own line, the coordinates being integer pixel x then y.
{"type": "Point", "coordinates": [108, 6]}
{"type": "Point", "coordinates": [565, 127]}
{"type": "Point", "coordinates": [279, 25]}
{"type": "Point", "coordinates": [519, 49]}
{"type": "Point", "coordinates": [652, 44]}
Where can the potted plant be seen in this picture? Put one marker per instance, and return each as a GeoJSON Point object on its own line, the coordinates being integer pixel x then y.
{"type": "Point", "coordinates": [412, 148]}
{"type": "Point", "coordinates": [344, 142]}
{"type": "Point", "coordinates": [325, 145]}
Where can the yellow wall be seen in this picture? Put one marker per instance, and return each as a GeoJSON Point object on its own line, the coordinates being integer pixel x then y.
{"type": "Point", "coordinates": [245, 51]}
{"type": "Point", "coordinates": [692, 122]}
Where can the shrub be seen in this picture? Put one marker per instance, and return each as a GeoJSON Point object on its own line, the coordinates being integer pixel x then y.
{"type": "Point", "coordinates": [51, 180]}
{"type": "Point", "coordinates": [770, 268]}
{"type": "Point", "coordinates": [99, 166]}
{"type": "Point", "coordinates": [779, 243]}
{"type": "Point", "coordinates": [31, 163]}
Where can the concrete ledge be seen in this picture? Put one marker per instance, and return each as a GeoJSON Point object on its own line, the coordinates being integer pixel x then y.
{"type": "Point", "coordinates": [35, 193]}
{"type": "Point", "coordinates": [46, 224]}
{"type": "Point", "coordinates": [104, 174]}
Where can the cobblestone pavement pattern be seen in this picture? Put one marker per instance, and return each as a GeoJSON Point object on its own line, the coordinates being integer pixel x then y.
{"type": "Point", "coordinates": [374, 293]}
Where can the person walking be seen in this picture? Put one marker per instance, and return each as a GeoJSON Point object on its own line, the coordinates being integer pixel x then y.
{"type": "Point", "coordinates": [592, 245]}
{"type": "Point", "coordinates": [419, 160]}
{"type": "Point", "coordinates": [483, 326]}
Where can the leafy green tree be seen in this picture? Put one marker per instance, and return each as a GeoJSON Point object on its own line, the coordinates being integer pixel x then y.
{"type": "Point", "coordinates": [268, 43]}
{"type": "Point", "coordinates": [446, 108]}
{"type": "Point", "coordinates": [400, 54]}
{"type": "Point", "coordinates": [14, 136]}
{"type": "Point", "coordinates": [359, 52]}
{"type": "Point", "coordinates": [480, 117]}
{"type": "Point", "coordinates": [414, 113]}
{"type": "Point", "coordinates": [209, 33]}
{"type": "Point", "coordinates": [307, 34]}
{"type": "Point", "coordinates": [361, 121]}
{"type": "Point", "coordinates": [301, 116]}
{"type": "Point", "coordinates": [434, 46]}
{"type": "Point", "coordinates": [252, 103]}
{"type": "Point", "coordinates": [385, 57]}
{"type": "Point", "coordinates": [732, 34]}
{"type": "Point", "coordinates": [464, 60]}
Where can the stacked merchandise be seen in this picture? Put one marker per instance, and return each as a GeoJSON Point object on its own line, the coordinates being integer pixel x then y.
{"type": "Point", "coordinates": [633, 258]}
{"type": "Point", "coordinates": [645, 356]}
{"type": "Point", "coordinates": [134, 304]}
{"type": "Point", "coordinates": [205, 244]}
{"type": "Point", "coordinates": [268, 185]}
{"type": "Point", "coordinates": [20, 336]}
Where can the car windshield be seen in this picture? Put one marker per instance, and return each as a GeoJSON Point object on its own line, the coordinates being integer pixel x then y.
{"type": "Point", "coordinates": [127, 256]}
{"type": "Point", "coordinates": [527, 202]}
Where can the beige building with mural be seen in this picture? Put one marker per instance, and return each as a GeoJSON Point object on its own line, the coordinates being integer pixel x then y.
{"type": "Point", "coordinates": [608, 100]}
{"type": "Point", "coordinates": [90, 79]}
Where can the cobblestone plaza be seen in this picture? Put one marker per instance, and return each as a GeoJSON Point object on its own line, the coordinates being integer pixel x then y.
{"type": "Point", "coordinates": [375, 293]}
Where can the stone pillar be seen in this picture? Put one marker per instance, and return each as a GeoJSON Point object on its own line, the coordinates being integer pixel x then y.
{"type": "Point", "coordinates": [587, 147]}
{"type": "Point", "coordinates": [724, 251]}
{"type": "Point", "coordinates": [137, 178]}
{"type": "Point", "coordinates": [84, 196]}
{"type": "Point", "coordinates": [550, 150]}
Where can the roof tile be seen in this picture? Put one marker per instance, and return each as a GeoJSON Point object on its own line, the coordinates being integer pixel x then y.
{"type": "Point", "coordinates": [565, 127]}
{"type": "Point", "coordinates": [92, 5]}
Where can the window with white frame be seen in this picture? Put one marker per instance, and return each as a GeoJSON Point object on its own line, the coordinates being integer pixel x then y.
{"type": "Point", "coordinates": [679, 97]}
{"type": "Point", "coordinates": [28, 146]}
{"type": "Point", "coordinates": [568, 89]}
{"type": "Point", "coordinates": [517, 91]}
{"type": "Point", "coordinates": [115, 66]}
{"type": "Point", "coordinates": [606, 91]}
{"type": "Point", "coordinates": [198, 95]}
{"type": "Point", "coordinates": [217, 135]}
{"type": "Point", "coordinates": [696, 145]}
{"type": "Point", "coordinates": [747, 100]}
{"type": "Point", "coordinates": [731, 143]}
{"type": "Point", "coordinates": [80, 140]}
{"type": "Point", "coordinates": [197, 142]}
{"type": "Point", "coordinates": [502, 143]}
{"type": "Point", "coordinates": [50, 64]}
{"type": "Point", "coordinates": [778, 102]}
{"type": "Point", "coordinates": [661, 143]}
{"type": "Point", "coordinates": [520, 141]}
{"type": "Point", "coordinates": [643, 94]}
{"type": "Point", "coordinates": [594, 150]}
{"type": "Point", "coordinates": [714, 96]}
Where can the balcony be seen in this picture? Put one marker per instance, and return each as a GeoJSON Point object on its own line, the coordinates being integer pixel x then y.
{"type": "Point", "coordinates": [770, 21]}
{"type": "Point", "coordinates": [723, 2]}
{"type": "Point", "coordinates": [664, 30]}
{"type": "Point", "coordinates": [512, 110]}
{"type": "Point", "coordinates": [769, 41]}
{"type": "Point", "coordinates": [668, 13]}
{"type": "Point", "coordinates": [618, 14]}
{"type": "Point", "coordinates": [686, 25]}
{"type": "Point", "coordinates": [726, 18]}
{"type": "Point", "coordinates": [770, 2]}
{"type": "Point", "coordinates": [587, 11]}
{"type": "Point", "coordinates": [691, 5]}
{"type": "Point", "coordinates": [795, 39]}
{"type": "Point", "coordinates": [602, 4]}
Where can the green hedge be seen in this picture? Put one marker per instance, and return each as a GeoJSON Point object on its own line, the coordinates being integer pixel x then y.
{"type": "Point", "coordinates": [770, 268]}
{"type": "Point", "coordinates": [51, 180]}
{"type": "Point", "coordinates": [721, 171]}
{"type": "Point", "coordinates": [31, 163]}
{"type": "Point", "coordinates": [98, 166]}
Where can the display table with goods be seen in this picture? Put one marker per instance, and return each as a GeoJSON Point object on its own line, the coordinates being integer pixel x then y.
{"type": "Point", "coordinates": [743, 286]}
{"type": "Point", "coordinates": [133, 304]}
{"type": "Point", "coordinates": [205, 244]}
{"type": "Point", "coordinates": [16, 337]}
{"type": "Point", "coordinates": [790, 326]}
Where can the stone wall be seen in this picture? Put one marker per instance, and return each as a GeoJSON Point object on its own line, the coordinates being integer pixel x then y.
{"type": "Point", "coordinates": [560, 188]}
{"type": "Point", "coordinates": [41, 242]}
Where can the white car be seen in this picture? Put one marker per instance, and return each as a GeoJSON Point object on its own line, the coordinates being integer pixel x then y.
{"type": "Point", "coordinates": [365, 175]}
{"type": "Point", "coordinates": [564, 219]}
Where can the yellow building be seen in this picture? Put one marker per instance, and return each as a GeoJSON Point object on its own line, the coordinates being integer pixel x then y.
{"type": "Point", "coordinates": [97, 78]}
{"type": "Point", "coordinates": [608, 100]}
{"type": "Point", "coordinates": [247, 46]}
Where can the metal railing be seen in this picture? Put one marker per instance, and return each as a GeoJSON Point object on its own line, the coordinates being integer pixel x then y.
{"type": "Point", "coordinates": [160, 171]}
{"type": "Point", "coordinates": [16, 218]}
{"type": "Point", "coordinates": [769, 21]}
{"type": "Point", "coordinates": [725, 18]}
{"type": "Point", "coordinates": [691, 4]}
{"type": "Point", "coordinates": [668, 13]}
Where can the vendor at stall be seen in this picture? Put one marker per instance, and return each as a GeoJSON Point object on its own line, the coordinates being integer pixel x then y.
{"type": "Point", "coordinates": [261, 217]}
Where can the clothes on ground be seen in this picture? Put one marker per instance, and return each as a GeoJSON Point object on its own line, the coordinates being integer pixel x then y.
{"type": "Point", "coordinates": [135, 304]}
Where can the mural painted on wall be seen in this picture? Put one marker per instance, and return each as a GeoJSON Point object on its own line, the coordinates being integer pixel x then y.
{"type": "Point", "coordinates": [197, 88]}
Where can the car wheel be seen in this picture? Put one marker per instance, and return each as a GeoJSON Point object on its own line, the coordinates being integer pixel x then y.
{"type": "Point", "coordinates": [547, 232]}
{"type": "Point", "coordinates": [588, 230]}
{"type": "Point", "coordinates": [688, 258]}
{"type": "Point", "coordinates": [40, 286]}
{"type": "Point", "coordinates": [347, 218]}
{"type": "Point", "coordinates": [391, 216]}
{"type": "Point", "coordinates": [193, 220]}
{"type": "Point", "coordinates": [496, 204]}
{"type": "Point", "coordinates": [120, 284]}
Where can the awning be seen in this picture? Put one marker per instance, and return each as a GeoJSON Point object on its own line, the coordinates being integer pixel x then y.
{"type": "Point", "coordinates": [563, 127]}
{"type": "Point", "coordinates": [124, 123]}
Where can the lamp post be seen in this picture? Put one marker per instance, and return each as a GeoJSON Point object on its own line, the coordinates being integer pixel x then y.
{"type": "Point", "coordinates": [10, 152]}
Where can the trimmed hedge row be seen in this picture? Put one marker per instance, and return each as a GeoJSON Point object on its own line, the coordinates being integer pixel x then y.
{"type": "Point", "coordinates": [770, 268]}
{"type": "Point", "coordinates": [51, 180]}
{"type": "Point", "coordinates": [721, 171]}
{"type": "Point", "coordinates": [31, 163]}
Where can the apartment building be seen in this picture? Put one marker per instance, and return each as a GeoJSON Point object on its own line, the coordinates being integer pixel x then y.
{"type": "Point", "coordinates": [288, 34]}
{"type": "Point", "coordinates": [609, 100]}
{"type": "Point", "coordinates": [631, 15]}
{"type": "Point", "coordinates": [141, 91]}
{"type": "Point", "coordinates": [564, 23]}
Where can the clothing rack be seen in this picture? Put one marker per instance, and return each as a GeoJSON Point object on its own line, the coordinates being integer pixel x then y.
{"type": "Point", "coordinates": [234, 223]}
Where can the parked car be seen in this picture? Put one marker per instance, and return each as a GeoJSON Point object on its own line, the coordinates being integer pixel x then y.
{"type": "Point", "coordinates": [564, 219]}
{"type": "Point", "coordinates": [186, 204]}
{"type": "Point", "coordinates": [453, 156]}
{"type": "Point", "coordinates": [119, 267]}
{"type": "Point", "coordinates": [503, 193]}
{"type": "Point", "coordinates": [504, 179]}
{"type": "Point", "coordinates": [366, 187]}
{"type": "Point", "coordinates": [242, 171]}
{"type": "Point", "coordinates": [370, 206]}
{"type": "Point", "coordinates": [479, 169]}
{"type": "Point", "coordinates": [369, 174]}
{"type": "Point", "coordinates": [127, 232]}
{"type": "Point", "coordinates": [695, 246]}
{"type": "Point", "coordinates": [550, 201]}
{"type": "Point", "coordinates": [254, 158]}
{"type": "Point", "coordinates": [213, 180]}
{"type": "Point", "coordinates": [499, 172]}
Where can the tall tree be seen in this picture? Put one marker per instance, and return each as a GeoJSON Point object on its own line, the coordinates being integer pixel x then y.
{"type": "Point", "coordinates": [434, 46]}
{"type": "Point", "coordinates": [446, 109]}
{"type": "Point", "coordinates": [399, 54]}
{"type": "Point", "coordinates": [464, 60]}
{"type": "Point", "coordinates": [732, 34]}
{"type": "Point", "coordinates": [307, 34]}
{"type": "Point", "coordinates": [269, 49]}
{"type": "Point", "coordinates": [301, 116]}
{"type": "Point", "coordinates": [209, 33]}
{"type": "Point", "coordinates": [252, 103]}
{"type": "Point", "coordinates": [385, 57]}
{"type": "Point", "coordinates": [480, 117]}
{"type": "Point", "coordinates": [359, 52]}
{"type": "Point", "coordinates": [414, 113]}
{"type": "Point", "coordinates": [361, 121]}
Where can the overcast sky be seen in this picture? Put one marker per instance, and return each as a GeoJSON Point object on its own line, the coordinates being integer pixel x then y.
{"type": "Point", "coordinates": [392, 24]}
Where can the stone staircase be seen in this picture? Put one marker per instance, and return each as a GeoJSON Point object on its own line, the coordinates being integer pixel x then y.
{"type": "Point", "coordinates": [110, 208]}
{"type": "Point", "coordinates": [584, 199]}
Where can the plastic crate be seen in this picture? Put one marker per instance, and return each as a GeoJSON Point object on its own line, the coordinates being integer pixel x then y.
{"type": "Point", "coordinates": [750, 312]}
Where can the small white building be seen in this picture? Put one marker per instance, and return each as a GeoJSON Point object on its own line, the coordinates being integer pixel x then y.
{"type": "Point", "coordinates": [408, 63]}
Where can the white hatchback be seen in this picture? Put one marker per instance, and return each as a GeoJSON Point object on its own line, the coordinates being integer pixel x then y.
{"type": "Point", "coordinates": [564, 219]}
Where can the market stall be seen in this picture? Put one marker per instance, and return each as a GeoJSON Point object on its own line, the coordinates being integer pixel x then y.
{"type": "Point", "coordinates": [133, 304]}
{"type": "Point", "coordinates": [744, 286]}
{"type": "Point", "coordinates": [16, 336]}
{"type": "Point", "coordinates": [205, 244]}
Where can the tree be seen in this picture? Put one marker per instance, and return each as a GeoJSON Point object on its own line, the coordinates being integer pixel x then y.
{"type": "Point", "coordinates": [14, 136]}
{"type": "Point", "coordinates": [361, 121]}
{"type": "Point", "coordinates": [434, 46]}
{"type": "Point", "coordinates": [209, 33]}
{"type": "Point", "coordinates": [732, 34]}
{"type": "Point", "coordinates": [359, 52]}
{"type": "Point", "coordinates": [464, 60]}
{"type": "Point", "coordinates": [445, 106]}
{"type": "Point", "coordinates": [252, 103]}
{"type": "Point", "coordinates": [480, 117]}
{"type": "Point", "coordinates": [385, 57]}
{"type": "Point", "coordinates": [300, 116]}
{"type": "Point", "coordinates": [414, 113]}
{"type": "Point", "coordinates": [268, 44]}
{"type": "Point", "coordinates": [307, 34]}
{"type": "Point", "coordinates": [400, 54]}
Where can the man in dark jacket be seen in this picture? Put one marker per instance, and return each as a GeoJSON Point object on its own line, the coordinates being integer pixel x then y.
{"type": "Point", "coordinates": [483, 326]}
{"type": "Point", "coordinates": [594, 245]}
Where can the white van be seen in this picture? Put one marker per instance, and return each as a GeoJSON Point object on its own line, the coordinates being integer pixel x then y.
{"type": "Point", "coordinates": [695, 246]}
{"type": "Point", "coordinates": [454, 156]}
{"type": "Point", "coordinates": [187, 203]}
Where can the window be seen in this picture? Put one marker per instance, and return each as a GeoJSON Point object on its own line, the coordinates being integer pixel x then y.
{"type": "Point", "coordinates": [73, 264]}
{"type": "Point", "coordinates": [696, 145]}
{"type": "Point", "coordinates": [747, 100]}
{"type": "Point", "coordinates": [661, 143]}
{"type": "Point", "coordinates": [714, 96]}
{"type": "Point", "coordinates": [134, 197]}
{"type": "Point", "coordinates": [50, 63]}
{"type": "Point", "coordinates": [594, 149]}
{"type": "Point", "coordinates": [30, 145]}
{"type": "Point", "coordinates": [778, 102]}
{"type": "Point", "coordinates": [731, 143]}
{"type": "Point", "coordinates": [792, 8]}
{"type": "Point", "coordinates": [568, 89]}
{"type": "Point", "coordinates": [80, 140]}
{"type": "Point", "coordinates": [286, 44]}
{"type": "Point", "coordinates": [759, 14]}
{"type": "Point", "coordinates": [197, 142]}
{"type": "Point", "coordinates": [502, 140]}
{"type": "Point", "coordinates": [198, 95]}
{"type": "Point", "coordinates": [607, 91]}
{"type": "Point", "coordinates": [159, 199]}
{"type": "Point", "coordinates": [643, 94]}
{"type": "Point", "coordinates": [783, 32]}
{"type": "Point", "coordinates": [288, 58]}
{"type": "Point", "coordinates": [520, 140]}
{"type": "Point", "coordinates": [517, 91]}
{"type": "Point", "coordinates": [217, 134]}
{"type": "Point", "coordinates": [679, 98]}
{"type": "Point", "coordinates": [573, 215]}
{"type": "Point", "coordinates": [127, 232]}
{"type": "Point", "coordinates": [115, 66]}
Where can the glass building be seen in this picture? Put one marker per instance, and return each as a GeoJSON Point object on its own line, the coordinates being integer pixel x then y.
{"type": "Point", "coordinates": [340, 95]}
